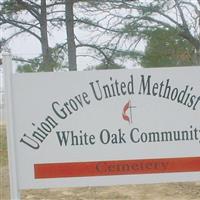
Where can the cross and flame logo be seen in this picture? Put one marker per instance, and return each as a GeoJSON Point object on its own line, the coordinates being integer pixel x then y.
{"type": "Point", "coordinates": [127, 114]}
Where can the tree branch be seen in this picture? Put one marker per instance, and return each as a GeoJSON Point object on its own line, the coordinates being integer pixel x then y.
{"type": "Point", "coordinates": [181, 14]}
{"type": "Point", "coordinates": [30, 9]}
{"type": "Point", "coordinates": [16, 24]}
{"type": "Point", "coordinates": [95, 47]}
{"type": "Point", "coordinates": [96, 25]}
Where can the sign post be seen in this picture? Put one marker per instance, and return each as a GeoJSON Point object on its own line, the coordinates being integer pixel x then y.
{"type": "Point", "coordinates": [11, 140]}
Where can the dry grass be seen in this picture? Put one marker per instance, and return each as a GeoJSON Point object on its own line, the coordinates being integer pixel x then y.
{"type": "Point", "coordinates": [4, 183]}
{"type": "Point", "coordinates": [3, 146]}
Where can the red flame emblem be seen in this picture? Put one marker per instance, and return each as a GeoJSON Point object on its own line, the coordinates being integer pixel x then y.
{"type": "Point", "coordinates": [124, 114]}
{"type": "Point", "coordinates": [127, 112]}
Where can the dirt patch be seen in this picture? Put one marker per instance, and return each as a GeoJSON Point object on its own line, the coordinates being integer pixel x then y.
{"type": "Point", "coordinates": [4, 183]}
{"type": "Point", "coordinates": [175, 191]}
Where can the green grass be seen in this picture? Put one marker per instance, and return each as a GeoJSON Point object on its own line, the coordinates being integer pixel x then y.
{"type": "Point", "coordinates": [3, 146]}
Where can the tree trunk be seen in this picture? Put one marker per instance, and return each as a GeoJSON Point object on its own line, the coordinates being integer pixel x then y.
{"type": "Point", "coordinates": [46, 54]}
{"type": "Point", "coordinates": [197, 57]}
{"type": "Point", "coordinates": [70, 34]}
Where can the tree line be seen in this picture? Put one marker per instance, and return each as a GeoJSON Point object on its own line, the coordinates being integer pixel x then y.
{"type": "Point", "coordinates": [169, 28]}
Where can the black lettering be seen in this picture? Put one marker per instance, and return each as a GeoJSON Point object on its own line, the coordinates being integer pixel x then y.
{"type": "Point", "coordinates": [98, 95]}
{"type": "Point", "coordinates": [30, 142]}
{"type": "Point", "coordinates": [62, 138]}
{"type": "Point", "coordinates": [85, 98]}
{"type": "Point", "coordinates": [60, 113]}
{"type": "Point", "coordinates": [105, 136]}
{"type": "Point", "coordinates": [145, 86]}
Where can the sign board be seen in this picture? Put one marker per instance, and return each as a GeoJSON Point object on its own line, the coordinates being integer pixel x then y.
{"type": "Point", "coordinates": [106, 127]}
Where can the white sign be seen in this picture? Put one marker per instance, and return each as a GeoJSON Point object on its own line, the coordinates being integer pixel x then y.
{"type": "Point", "coordinates": [107, 127]}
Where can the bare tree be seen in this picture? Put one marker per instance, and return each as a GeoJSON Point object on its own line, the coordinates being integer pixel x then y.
{"type": "Point", "coordinates": [69, 20]}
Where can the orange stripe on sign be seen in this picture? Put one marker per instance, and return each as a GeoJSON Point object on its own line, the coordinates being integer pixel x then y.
{"type": "Point", "coordinates": [116, 167]}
